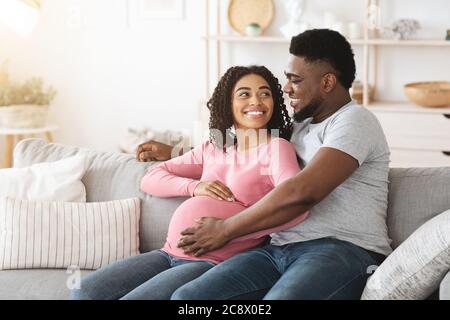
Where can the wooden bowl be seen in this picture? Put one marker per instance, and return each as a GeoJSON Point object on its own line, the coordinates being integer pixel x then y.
{"type": "Point", "coordinates": [433, 94]}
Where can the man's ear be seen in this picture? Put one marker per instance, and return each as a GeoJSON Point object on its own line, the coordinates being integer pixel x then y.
{"type": "Point", "coordinates": [329, 82]}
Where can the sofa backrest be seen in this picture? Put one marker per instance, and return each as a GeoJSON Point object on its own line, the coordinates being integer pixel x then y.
{"type": "Point", "coordinates": [415, 194]}
{"type": "Point", "coordinates": [110, 176]}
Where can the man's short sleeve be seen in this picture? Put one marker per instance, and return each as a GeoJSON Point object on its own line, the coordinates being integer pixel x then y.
{"type": "Point", "coordinates": [354, 132]}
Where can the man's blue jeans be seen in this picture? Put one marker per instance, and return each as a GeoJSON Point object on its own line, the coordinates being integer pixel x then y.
{"type": "Point", "coordinates": [325, 268]}
{"type": "Point", "coordinates": [153, 275]}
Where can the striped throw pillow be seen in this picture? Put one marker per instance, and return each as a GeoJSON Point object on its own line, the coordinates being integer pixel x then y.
{"type": "Point", "coordinates": [50, 234]}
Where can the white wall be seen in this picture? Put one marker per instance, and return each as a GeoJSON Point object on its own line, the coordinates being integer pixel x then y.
{"type": "Point", "coordinates": [111, 74]}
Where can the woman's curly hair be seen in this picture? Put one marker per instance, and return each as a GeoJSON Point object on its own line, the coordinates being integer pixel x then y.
{"type": "Point", "coordinates": [220, 105]}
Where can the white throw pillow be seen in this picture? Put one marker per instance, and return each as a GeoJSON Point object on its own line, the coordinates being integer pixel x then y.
{"type": "Point", "coordinates": [415, 269]}
{"type": "Point", "coordinates": [50, 181]}
{"type": "Point", "coordinates": [42, 234]}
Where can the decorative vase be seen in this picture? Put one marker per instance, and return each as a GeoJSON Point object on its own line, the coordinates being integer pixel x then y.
{"type": "Point", "coordinates": [253, 30]}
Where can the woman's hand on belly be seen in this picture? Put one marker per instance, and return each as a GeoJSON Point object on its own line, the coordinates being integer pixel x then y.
{"type": "Point", "coordinates": [215, 189]}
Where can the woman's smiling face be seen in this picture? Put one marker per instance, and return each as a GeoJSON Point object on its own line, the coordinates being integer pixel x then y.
{"type": "Point", "coordinates": [252, 102]}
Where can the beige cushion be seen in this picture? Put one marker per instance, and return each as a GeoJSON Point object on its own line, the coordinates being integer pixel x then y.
{"type": "Point", "coordinates": [41, 234]}
{"type": "Point", "coordinates": [415, 269]}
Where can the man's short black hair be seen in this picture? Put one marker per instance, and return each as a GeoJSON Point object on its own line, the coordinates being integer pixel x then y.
{"type": "Point", "coordinates": [326, 45]}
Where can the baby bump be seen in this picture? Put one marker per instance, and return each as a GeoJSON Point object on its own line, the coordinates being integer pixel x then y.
{"type": "Point", "coordinates": [197, 207]}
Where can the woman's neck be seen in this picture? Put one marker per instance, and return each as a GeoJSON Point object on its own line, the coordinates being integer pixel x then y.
{"type": "Point", "coordinates": [248, 139]}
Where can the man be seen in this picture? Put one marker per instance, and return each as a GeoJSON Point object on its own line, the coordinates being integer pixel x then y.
{"type": "Point", "coordinates": [344, 185]}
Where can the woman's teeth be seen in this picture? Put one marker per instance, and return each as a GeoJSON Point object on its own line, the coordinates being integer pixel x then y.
{"type": "Point", "coordinates": [254, 113]}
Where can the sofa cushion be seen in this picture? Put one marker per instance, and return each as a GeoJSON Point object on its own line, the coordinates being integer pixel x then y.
{"type": "Point", "coordinates": [56, 180]}
{"type": "Point", "coordinates": [110, 176]}
{"type": "Point", "coordinates": [415, 269]}
{"type": "Point", "coordinates": [51, 234]}
{"type": "Point", "coordinates": [37, 284]}
{"type": "Point", "coordinates": [415, 196]}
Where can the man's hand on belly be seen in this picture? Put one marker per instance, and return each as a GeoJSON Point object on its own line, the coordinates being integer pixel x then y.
{"type": "Point", "coordinates": [208, 235]}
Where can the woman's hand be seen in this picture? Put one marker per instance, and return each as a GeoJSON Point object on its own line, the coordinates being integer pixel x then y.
{"type": "Point", "coordinates": [214, 189]}
{"type": "Point", "coordinates": [154, 151]}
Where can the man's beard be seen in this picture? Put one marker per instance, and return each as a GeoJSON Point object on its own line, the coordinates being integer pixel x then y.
{"type": "Point", "coordinates": [309, 110]}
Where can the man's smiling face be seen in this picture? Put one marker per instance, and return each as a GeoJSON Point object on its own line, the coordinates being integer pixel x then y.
{"type": "Point", "coordinates": [303, 86]}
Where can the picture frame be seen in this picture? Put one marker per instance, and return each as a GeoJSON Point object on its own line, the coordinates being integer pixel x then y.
{"type": "Point", "coordinates": [142, 11]}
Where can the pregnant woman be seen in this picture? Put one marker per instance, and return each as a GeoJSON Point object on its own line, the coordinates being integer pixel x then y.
{"type": "Point", "coordinates": [223, 176]}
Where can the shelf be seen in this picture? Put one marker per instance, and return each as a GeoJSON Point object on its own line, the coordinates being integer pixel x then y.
{"type": "Point", "coordinates": [405, 107]}
{"type": "Point", "coordinates": [377, 42]}
{"type": "Point", "coordinates": [247, 39]}
{"type": "Point", "coordinates": [261, 39]}
{"type": "Point", "coordinates": [430, 42]}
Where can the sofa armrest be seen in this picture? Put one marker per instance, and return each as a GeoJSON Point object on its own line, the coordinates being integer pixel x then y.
{"type": "Point", "coordinates": [444, 289]}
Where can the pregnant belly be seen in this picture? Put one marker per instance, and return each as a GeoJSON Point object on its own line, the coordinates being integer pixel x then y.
{"type": "Point", "coordinates": [202, 206]}
{"type": "Point", "coordinates": [197, 207]}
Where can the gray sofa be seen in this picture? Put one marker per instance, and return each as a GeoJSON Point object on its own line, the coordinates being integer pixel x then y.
{"type": "Point", "coordinates": [415, 196]}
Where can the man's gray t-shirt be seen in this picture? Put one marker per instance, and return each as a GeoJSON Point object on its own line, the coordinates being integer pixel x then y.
{"type": "Point", "coordinates": [356, 210]}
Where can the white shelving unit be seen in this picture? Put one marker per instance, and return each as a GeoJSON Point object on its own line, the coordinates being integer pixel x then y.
{"type": "Point", "coordinates": [414, 143]}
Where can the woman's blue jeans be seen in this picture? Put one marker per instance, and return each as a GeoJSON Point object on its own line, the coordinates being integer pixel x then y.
{"type": "Point", "coordinates": [153, 275]}
{"type": "Point", "coordinates": [325, 268]}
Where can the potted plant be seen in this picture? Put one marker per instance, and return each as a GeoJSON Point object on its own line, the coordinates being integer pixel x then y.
{"type": "Point", "coordinates": [25, 105]}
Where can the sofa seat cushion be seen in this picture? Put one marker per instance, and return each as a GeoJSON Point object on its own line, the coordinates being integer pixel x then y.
{"type": "Point", "coordinates": [36, 284]}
